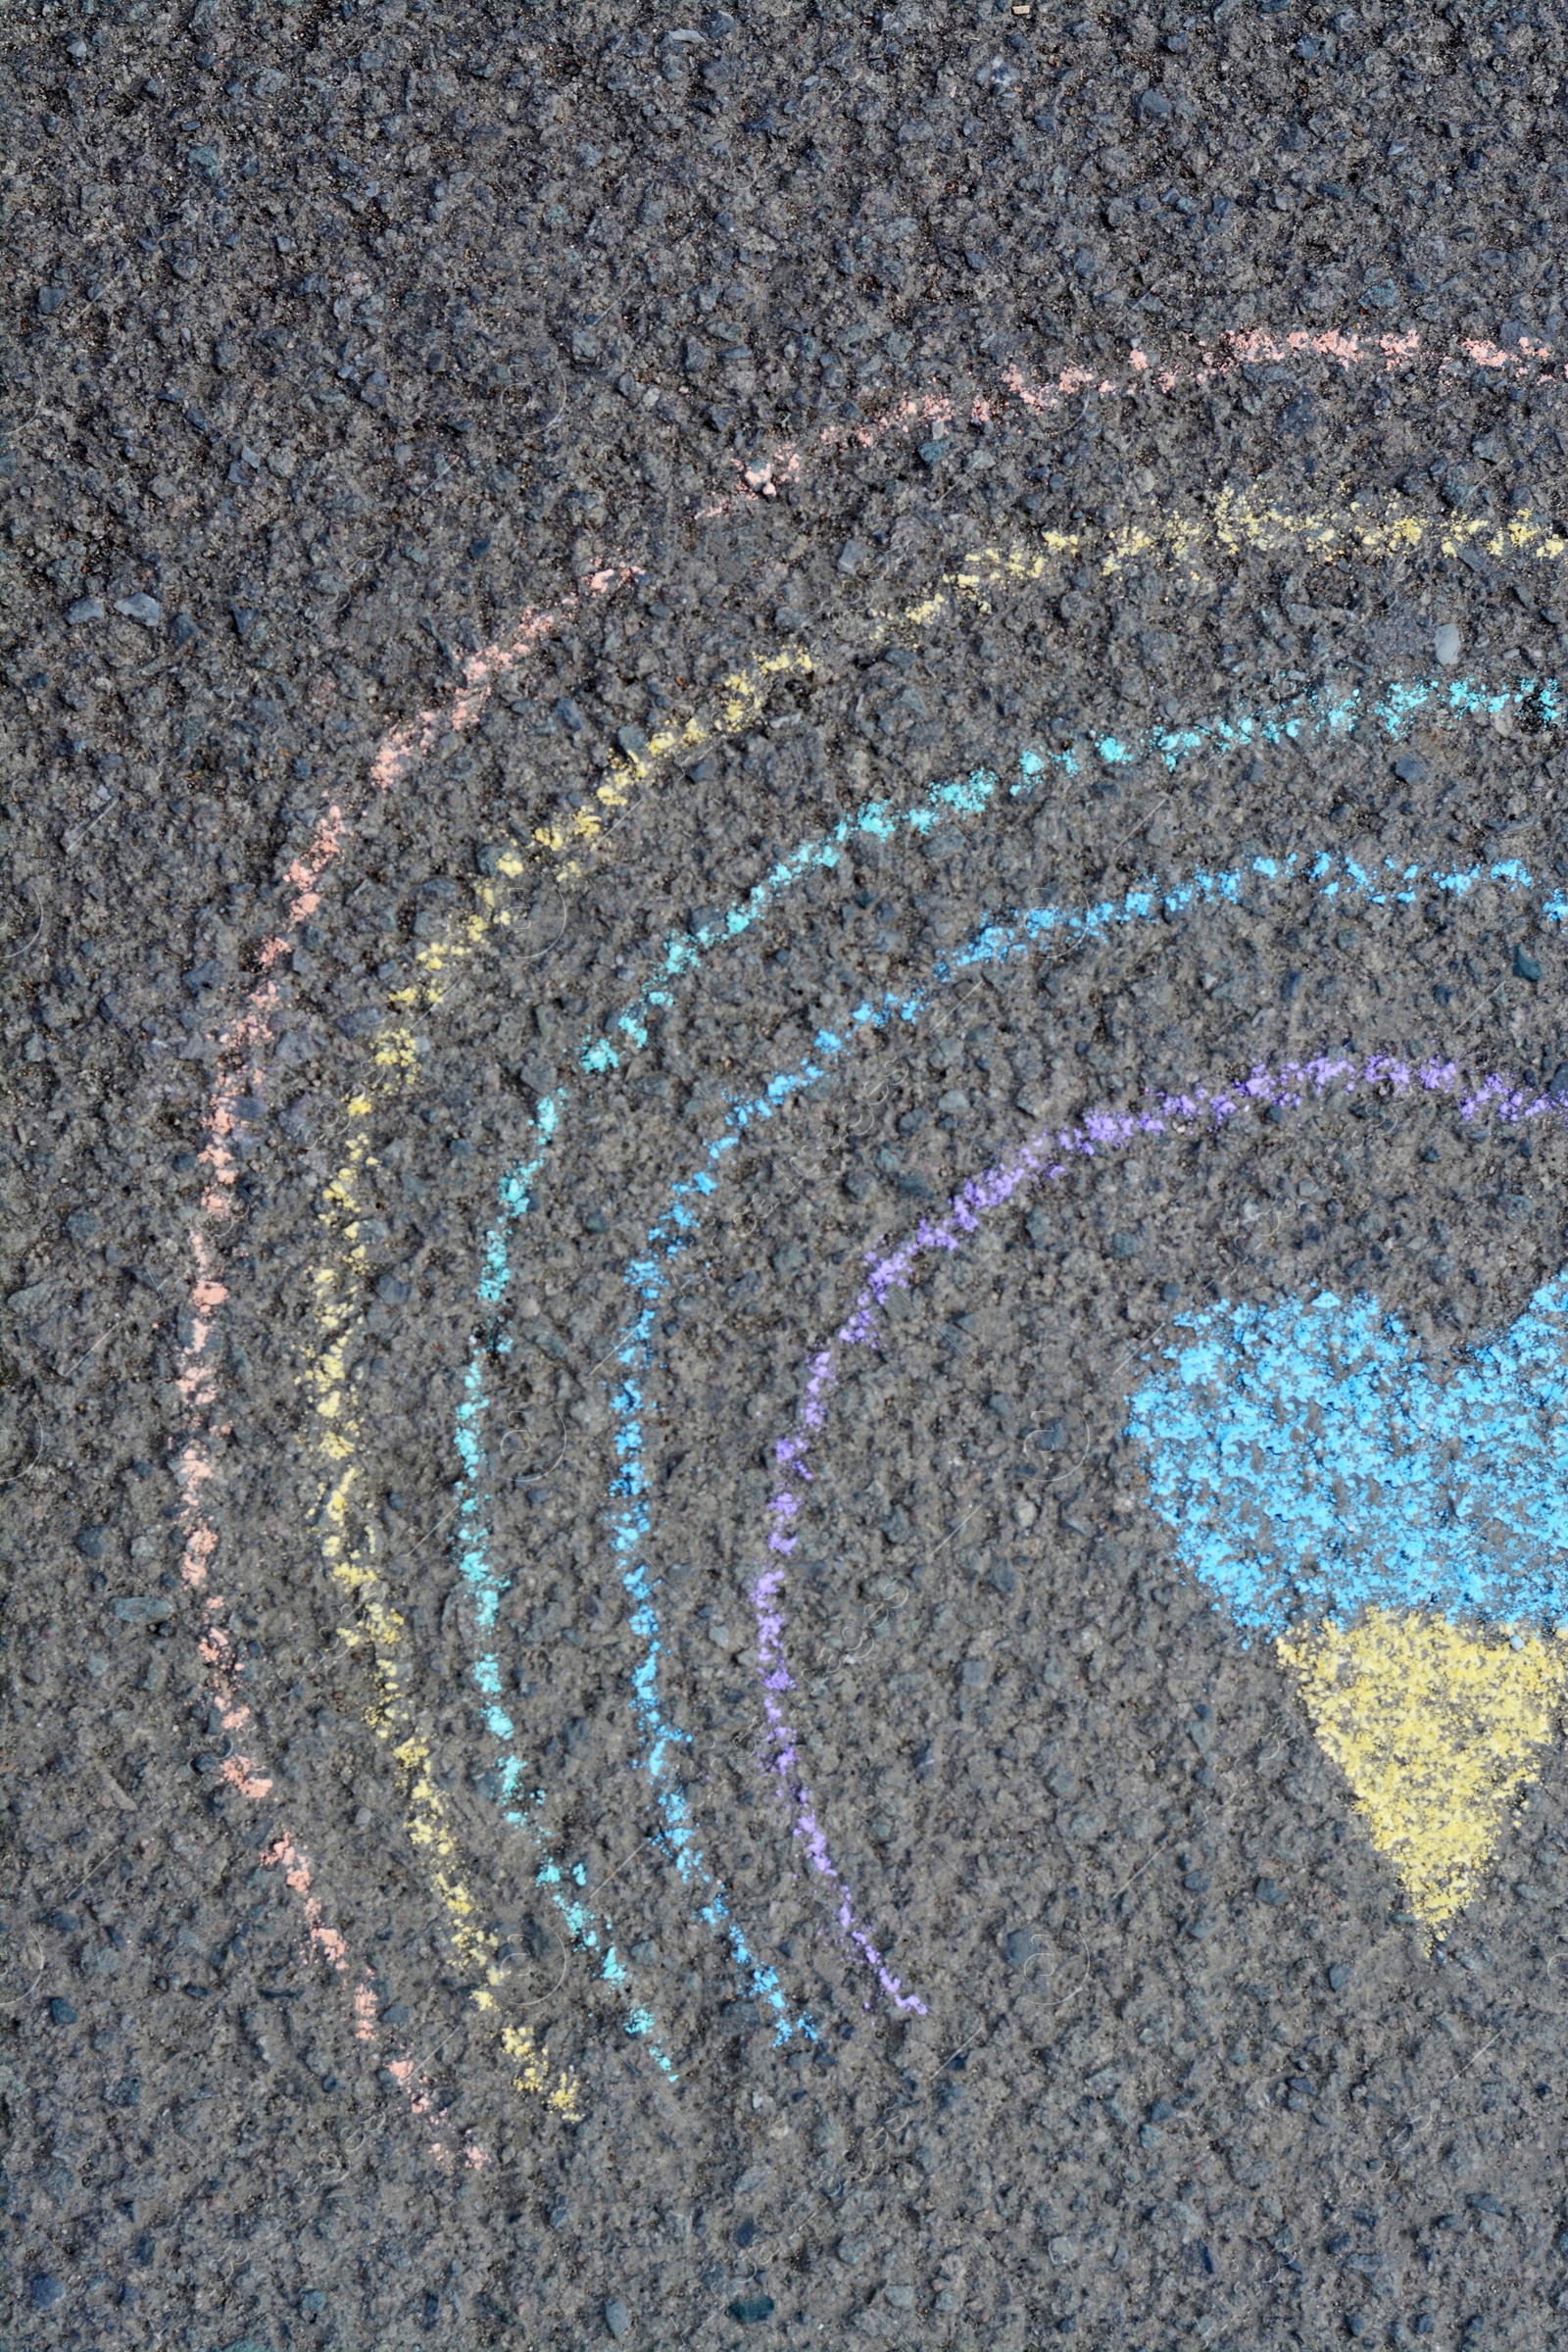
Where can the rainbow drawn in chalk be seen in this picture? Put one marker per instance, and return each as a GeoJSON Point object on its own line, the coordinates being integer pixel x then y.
{"type": "Point", "coordinates": [1183, 543]}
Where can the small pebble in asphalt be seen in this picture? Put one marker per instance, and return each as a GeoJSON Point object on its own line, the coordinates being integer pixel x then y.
{"type": "Point", "coordinates": [1446, 644]}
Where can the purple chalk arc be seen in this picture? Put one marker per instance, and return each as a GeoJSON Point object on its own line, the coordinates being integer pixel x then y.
{"type": "Point", "coordinates": [1042, 1157]}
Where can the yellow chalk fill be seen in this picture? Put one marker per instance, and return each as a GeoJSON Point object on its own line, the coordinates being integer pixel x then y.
{"type": "Point", "coordinates": [1438, 1729]}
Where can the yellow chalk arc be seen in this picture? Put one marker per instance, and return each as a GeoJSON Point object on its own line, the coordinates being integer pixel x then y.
{"type": "Point", "coordinates": [378, 1637]}
{"type": "Point", "coordinates": [741, 701]}
{"type": "Point", "coordinates": [1191, 546]}
{"type": "Point", "coordinates": [348, 1538]}
{"type": "Point", "coordinates": [1438, 1729]}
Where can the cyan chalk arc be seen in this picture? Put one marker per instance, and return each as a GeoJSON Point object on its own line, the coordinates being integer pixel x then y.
{"type": "Point", "coordinates": [1321, 714]}
{"type": "Point", "coordinates": [1392, 710]}
{"type": "Point", "coordinates": [627, 1502]}
{"type": "Point", "coordinates": [874, 819]}
{"type": "Point", "coordinates": [1497, 1405]}
{"type": "Point", "coordinates": [565, 1885]}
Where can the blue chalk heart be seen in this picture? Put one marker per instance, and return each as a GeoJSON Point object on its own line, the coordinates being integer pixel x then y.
{"type": "Point", "coordinates": [1307, 1461]}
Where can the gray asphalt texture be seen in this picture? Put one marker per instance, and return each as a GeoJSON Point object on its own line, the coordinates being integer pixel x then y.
{"type": "Point", "coordinates": [339, 337]}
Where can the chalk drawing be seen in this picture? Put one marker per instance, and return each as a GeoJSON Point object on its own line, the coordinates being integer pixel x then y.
{"type": "Point", "coordinates": [1438, 1727]}
{"type": "Point", "coordinates": [1524, 706]}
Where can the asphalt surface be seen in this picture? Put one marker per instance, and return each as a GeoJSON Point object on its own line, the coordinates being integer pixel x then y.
{"type": "Point", "coordinates": [635, 647]}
